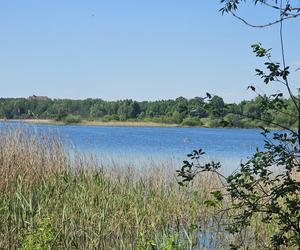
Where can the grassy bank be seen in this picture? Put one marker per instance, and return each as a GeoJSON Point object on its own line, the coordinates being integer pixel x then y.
{"type": "Point", "coordinates": [50, 200]}
{"type": "Point", "coordinates": [95, 123]}
{"type": "Point", "coordinates": [186, 123]}
{"type": "Point", "coordinates": [127, 123]}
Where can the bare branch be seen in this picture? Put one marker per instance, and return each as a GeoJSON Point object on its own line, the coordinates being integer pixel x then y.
{"type": "Point", "coordinates": [264, 25]}
{"type": "Point", "coordinates": [283, 58]}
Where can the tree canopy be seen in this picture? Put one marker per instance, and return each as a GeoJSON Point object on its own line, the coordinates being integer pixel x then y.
{"type": "Point", "coordinates": [267, 185]}
{"type": "Point", "coordinates": [188, 112]}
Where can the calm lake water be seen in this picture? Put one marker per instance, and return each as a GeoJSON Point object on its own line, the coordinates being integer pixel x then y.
{"type": "Point", "coordinates": [229, 146]}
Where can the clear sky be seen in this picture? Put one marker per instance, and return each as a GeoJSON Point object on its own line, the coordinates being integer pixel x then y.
{"type": "Point", "coordinates": [138, 49]}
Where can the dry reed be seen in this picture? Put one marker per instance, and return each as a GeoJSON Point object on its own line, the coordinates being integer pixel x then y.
{"type": "Point", "coordinates": [30, 155]}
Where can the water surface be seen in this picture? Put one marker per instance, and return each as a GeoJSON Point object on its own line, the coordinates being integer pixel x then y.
{"type": "Point", "coordinates": [229, 146]}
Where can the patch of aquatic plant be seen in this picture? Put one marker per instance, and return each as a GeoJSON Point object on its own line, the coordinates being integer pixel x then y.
{"type": "Point", "coordinates": [50, 200]}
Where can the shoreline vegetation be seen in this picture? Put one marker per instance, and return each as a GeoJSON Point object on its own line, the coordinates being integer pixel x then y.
{"type": "Point", "coordinates": [181, 112]}
{"type": "Point", "coordinates": [50, 200]}
{"type": "Point", "coordinates": [119, 124]}
{"type": "Point", "coordinates": [93, 123]}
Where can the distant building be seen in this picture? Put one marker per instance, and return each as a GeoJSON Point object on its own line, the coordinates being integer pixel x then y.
{"type": "Point", "coordinates": [40, 98]}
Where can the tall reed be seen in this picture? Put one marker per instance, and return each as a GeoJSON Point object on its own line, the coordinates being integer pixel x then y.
{"type": "Point", "coordinates": [51, 200]}
{"type": "Point", "coordinates": [29, 155]}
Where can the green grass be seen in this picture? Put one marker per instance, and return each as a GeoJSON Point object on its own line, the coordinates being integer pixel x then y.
{"type": "Point", "coordinates": [93, 210]}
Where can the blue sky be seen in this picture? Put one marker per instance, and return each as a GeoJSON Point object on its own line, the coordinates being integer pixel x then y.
{"type": "Point", "coordinates": [143, 50]}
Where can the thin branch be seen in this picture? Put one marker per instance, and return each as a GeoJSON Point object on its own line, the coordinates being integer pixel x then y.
{"type": "Point", "coordinates": [267, 121]}
{"type": "Point", "coordinates": [274, 108]}
{"type": "Point", "coordinates": [280, 8]}
{"type": "Point", "coordinates": [283, 59]}
{"type": "Point", "coordinates": [264, 25]}
{"type": "Point", "coordinates": [271, 5]}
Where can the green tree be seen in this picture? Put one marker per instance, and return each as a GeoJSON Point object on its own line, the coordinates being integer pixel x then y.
{"type": "Point", "coordinates": [197, 107]}
{"type": "Point", "coordinates": [266, 184]}
{"type": "Point", "coordinates": [134, 110]}
{"type": "Point", "coordinates": [217, 106]}
{"type": "Point", "coordinates": [98, 110]}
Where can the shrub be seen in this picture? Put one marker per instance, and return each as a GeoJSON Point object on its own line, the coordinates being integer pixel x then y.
{"type": "Point", "coordinates": [72, 119]}
{"type": "Point", "coordinates": [215, 123]}
{"type": "Point", "coordinates": [233, 120]}
{"type": "Point", "coordinates": [191, 122]}
{"type": "Point", "coordinates": [113, 117]}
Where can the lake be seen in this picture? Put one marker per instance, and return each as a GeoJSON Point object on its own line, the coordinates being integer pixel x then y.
{"type": "Point", "coordinates": [136, 144]}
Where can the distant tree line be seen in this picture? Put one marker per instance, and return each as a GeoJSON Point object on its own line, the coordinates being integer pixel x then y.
{"type": "Point", "coordinates": [186, 112]}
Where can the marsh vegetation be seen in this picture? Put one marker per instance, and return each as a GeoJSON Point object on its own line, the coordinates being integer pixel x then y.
{"type": "Point", "coordinates": [53, 200]}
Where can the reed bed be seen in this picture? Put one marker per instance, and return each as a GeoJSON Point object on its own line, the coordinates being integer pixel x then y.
{"type": "Point", "coordinates": [29, 155]}
{"type": "Point", "coordinates": [51, 199]}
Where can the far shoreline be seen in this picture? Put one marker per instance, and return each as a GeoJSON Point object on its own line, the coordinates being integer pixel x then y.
{"type": "Point", "coordinates": [116, 124]}
{"type": "Point", "coordinates": [95, 123]}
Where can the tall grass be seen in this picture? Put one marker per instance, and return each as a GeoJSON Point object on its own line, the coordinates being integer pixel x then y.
{"type": "Point", "coordinates": [50, 200]}
{"type": "Point", "coordinates": [28, 155]}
